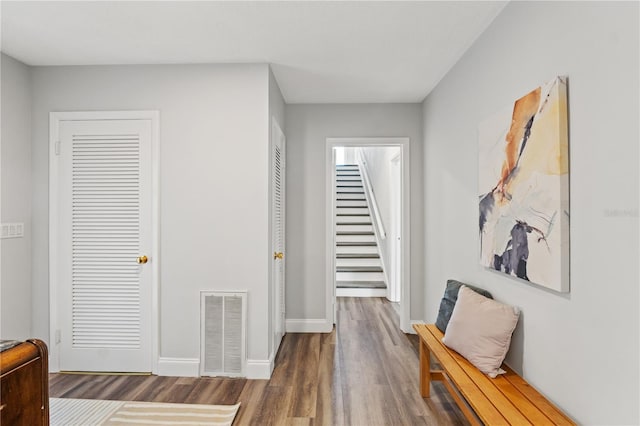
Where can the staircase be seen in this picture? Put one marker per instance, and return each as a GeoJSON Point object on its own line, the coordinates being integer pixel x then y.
{"type": "Point", "coordinates": [358, 266]}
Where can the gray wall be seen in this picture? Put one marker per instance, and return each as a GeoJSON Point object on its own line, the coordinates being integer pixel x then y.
{"type": "Point", "coordinates": [580, 349]}
{"type": "Point", "coordinates": [307, 128]}
{"type": "Point", "coordinates": [214, 166]}
{"type": "Point", "coordinates": [15, 279]}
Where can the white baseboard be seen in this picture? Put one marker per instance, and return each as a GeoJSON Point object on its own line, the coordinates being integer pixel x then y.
{"type": "Point", "coordinates": [308, 326]}
{"type": "Point", "coordinates": [179, 367]}
{"type": "Point", "coordinates": [259, 368]}
{"type": "Point", "coordinates": [361, 292]}
{"type": "Point", "coordinates": [190, 367]}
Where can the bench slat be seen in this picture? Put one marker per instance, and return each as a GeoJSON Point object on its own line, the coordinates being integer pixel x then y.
{"type": "Point", "coordinates": [522, 403]}
{"type": "Point", "coordinates": [474, 396]}
{"type": "Point", "coordinates": [508, 408]}
{"type": "Point", "coordinates": [536, 398]}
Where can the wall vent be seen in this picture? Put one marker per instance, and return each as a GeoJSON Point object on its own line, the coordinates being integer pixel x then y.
{"type": "Point", "coordinates": [223, 333]}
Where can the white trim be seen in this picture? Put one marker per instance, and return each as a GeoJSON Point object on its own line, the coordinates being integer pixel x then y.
{"type": "Point", "coordinates": [405, 297]}
{"type": "Point", "coordinates": [361, 292]}
{"type": "Point", "coordinates": [393, 285]}
{"type": "Point", "coordinates": [330, 235]}
{"type": "Point", "coordinates": [178, 367]}
{"type": "Point", "coordinates": [309, 326]}
{"type": "Point", "coordinates": [259, 368]}
{"type": "Point", "coordinates": [155, 240]}
{"type": "Point", "coordinates": [54, 126]}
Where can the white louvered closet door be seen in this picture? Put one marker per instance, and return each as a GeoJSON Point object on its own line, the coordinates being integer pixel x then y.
{"type": "Point", "coordinates": [104, 230]}
{"type": "Point", "coordinates": [278, 168]}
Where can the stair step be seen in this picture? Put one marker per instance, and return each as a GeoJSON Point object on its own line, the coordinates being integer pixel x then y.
{"type": "Point", "coordinates": [349, 178]}
{"type": "Point", "coordinates": [357, 239]}
{"type": "Point", "coordinates": [357, 256]}
{"type": "Point", "coordinates": [346, 166]}
{"type": "Point", "coordinates": [355, 243]}
{"type": "Point", "coordinates": [359, 263]}
{"type": "Point", "coordinates": [358, 269]}
{"type": "Point", "coordinates": [353, 229]}
{"type": "Point", "coordinates": [357, 250]}
{"type": "Point", "coordinates": [360, 284]}
{"type": "Point", "coordinates": [360, 204]}
{"type": "Point", "coordinates": [350, 190]}
{"type": "Point", "coordinates": [351, 197]}
{"type": "Point", "coordinates": [354, 219]}
{"type": "Point", "coordinates": [348, 173]}
{"type": "Point", "coordinates": [360, 276]}
{"type": "Point", "coordinates": [349, 183]}
{"type": "Point", "coordinates": [354, 233]}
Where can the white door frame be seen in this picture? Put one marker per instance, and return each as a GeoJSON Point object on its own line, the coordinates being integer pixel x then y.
{"type": "Point", "coordinates": [405, 291]}
{"type": "Point", "coordinates": [55, 118]}
{"type": "Point", "coordinates": [396, 215]}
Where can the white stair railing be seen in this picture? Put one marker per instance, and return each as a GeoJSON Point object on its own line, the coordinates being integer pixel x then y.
{"type": "Point", "coordinates": [370, 195]}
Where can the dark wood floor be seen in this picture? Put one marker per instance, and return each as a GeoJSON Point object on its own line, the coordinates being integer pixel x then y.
{"type": "Point", "coordinates": [363, 373]}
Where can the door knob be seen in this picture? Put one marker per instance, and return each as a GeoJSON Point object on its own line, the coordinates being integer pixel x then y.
{"type": "Point", "coordinates": [278, 255]}
{"type": "Point", "coordinates": [142, 260]}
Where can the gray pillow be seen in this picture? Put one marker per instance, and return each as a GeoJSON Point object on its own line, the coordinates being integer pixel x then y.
{"type": "Point", "coordinates": [449, 301]}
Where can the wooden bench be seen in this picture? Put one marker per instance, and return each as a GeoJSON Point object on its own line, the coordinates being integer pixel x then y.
{"type": "Point", "coordinates": [506, 400]}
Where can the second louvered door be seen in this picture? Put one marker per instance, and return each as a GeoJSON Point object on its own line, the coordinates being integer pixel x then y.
{"type": "Point", "coordinates": [104, 230]}
{"type": "Point", "coordinates": [278, 167]}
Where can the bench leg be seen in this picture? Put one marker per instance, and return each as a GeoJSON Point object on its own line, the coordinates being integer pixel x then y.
{"type": "Point", "coordinates": [425, 370]}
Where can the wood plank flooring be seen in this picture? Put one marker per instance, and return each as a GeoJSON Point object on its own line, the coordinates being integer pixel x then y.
{"type": "Point", "coordinates": [363, 373]}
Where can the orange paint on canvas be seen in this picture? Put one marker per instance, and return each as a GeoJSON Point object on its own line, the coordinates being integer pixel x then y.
{"type": "Point", "coordinates": [523, 109]}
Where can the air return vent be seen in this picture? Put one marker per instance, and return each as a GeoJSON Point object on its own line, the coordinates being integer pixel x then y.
{"type": "Point", "coordinates": [223, 331]}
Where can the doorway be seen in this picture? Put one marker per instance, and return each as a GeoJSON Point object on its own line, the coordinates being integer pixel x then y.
{"type": "Point", "coordinates": [103, 241]}
{"type": "Point", "coordinates": [397, 228]}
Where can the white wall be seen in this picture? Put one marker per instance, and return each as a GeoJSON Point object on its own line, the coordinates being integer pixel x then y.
{"type": "Point", "coordinates": [307, 128]}
{"type": "Point", "coordinates": [15, 167]}
{"type": "Point", "coordinates": [214, 167]}
{"type": "Point", "coordinates": [580, 349]}
{"type": "Point", "coordinates": [378, 165]}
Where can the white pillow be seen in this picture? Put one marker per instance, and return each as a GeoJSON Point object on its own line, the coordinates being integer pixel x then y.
{"type": "Point", "coordinates": [480, 330]}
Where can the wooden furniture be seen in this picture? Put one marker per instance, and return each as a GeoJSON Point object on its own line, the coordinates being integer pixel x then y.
{"type": "Point", "coordinates": [506, 400]}
{"type": "Point", "coordinates": [24, 384]}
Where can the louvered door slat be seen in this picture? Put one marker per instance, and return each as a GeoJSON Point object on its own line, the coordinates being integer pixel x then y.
{"type": "Point", "coordinates": [103, 225]}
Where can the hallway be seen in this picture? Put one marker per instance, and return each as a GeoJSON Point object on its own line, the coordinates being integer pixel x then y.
{"type": "Point", "coordinates": [319, 379]}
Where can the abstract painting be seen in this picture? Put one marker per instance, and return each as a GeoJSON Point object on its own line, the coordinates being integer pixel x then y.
{"type": "Point", "coordinates": [524, 188]}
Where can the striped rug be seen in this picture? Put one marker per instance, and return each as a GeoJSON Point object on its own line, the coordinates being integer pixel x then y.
{"type": "Point", "coordinates": [90, 412]}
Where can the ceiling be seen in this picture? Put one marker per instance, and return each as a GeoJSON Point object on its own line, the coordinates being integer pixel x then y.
{"type": "Point", "coordinates": [320, 51]}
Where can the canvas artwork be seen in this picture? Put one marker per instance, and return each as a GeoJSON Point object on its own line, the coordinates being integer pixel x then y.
{"type": "Point", "coordinates": [524, 188]}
